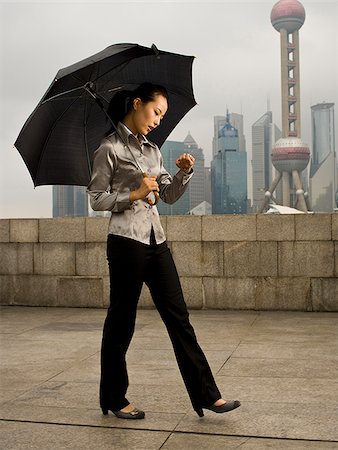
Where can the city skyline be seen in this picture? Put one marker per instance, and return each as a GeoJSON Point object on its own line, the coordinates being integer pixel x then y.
{"type": "Point", "coordinates": [236, 68]}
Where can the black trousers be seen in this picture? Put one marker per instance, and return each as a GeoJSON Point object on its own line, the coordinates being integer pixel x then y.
{"type": "Point", "coordinates": [130, 264]}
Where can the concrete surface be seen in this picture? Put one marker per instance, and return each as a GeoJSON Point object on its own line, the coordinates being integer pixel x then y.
{"type": "Point", "coordinates": [283, 366]}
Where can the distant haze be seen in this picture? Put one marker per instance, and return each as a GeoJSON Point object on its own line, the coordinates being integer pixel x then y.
{"type": "Point", "coordinates": [237, 66]}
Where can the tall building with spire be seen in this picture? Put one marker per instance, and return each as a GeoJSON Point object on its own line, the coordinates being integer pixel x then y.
{"type": "Point", "coordinates": [323, 168]}
{"type": "Point", "coordinates": [229, 173]}
{"type": "Point", "coordinates": [237, 121]}
{"type": "Point", "coordinates": [219, 122]}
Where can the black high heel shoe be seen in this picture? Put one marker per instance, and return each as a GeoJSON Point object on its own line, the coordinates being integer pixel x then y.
{"type": "Point", "coordinates": [134, 414]}
{"type": "Point", "coordinates": [226, 407]}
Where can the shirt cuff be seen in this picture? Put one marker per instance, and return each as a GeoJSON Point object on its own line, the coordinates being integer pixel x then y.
{"type": "Point", "coordinates": [184, 177]}
{"type": "Point", "coordinates": [123, 200]}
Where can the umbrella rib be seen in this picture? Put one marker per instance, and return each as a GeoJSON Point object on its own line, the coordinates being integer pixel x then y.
{"type": "Point", "coordinates": [62, 93]}
{"type": "Point", "coordinates": [50, 132]}
{"type": "Point", "coordinates": [105, 73]}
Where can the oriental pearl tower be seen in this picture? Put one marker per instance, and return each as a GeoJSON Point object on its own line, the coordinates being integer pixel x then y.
{"type": "Point", "coordinates": [290, 155]}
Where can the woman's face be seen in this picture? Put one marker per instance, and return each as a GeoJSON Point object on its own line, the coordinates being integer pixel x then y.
{"type": "Point", "coordinates": [147, 116]}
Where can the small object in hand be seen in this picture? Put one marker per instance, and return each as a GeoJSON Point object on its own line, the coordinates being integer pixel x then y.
{"type": "Point", "coordinates": [156, 196]}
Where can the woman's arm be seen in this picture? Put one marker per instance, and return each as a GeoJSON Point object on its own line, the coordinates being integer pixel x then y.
{"type": "Point", "coordinates": [172, 188]}
{"type": "Point", "coordinates": [99, 188]}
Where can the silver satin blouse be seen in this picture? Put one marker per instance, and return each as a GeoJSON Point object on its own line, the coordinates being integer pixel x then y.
{"type": "Point", "coordinates": [115, 174]}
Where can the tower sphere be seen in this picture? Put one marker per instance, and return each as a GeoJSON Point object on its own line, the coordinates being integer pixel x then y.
{"type": "Point", "coordinates": [288, 14]}
{"type": "Point", "coordinates": [290, 154]}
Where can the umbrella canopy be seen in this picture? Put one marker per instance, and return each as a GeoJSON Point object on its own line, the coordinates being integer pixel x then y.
{"type": "Point", "coordinates": [59, 138]}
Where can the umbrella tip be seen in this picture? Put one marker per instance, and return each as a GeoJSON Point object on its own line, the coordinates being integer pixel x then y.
{"type": "Point", "coordinates": [155, 50]}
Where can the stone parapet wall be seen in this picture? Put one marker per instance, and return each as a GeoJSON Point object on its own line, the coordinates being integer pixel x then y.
{"type": "Point", "coordinates": [258, 262]}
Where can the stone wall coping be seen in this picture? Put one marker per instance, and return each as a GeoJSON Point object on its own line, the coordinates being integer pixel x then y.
{"type": "Point", "coordinates": [246, 227]}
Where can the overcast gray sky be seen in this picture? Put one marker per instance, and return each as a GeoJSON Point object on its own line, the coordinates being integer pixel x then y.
{"type": "Point", "coordinates": [237, 66]}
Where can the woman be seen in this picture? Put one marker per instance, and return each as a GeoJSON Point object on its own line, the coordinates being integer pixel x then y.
{"type": "Point", "coordinates": [137, 251]}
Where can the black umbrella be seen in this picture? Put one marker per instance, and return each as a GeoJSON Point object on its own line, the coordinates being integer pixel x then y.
{"type": "Point", "coordinates": [58, 139]}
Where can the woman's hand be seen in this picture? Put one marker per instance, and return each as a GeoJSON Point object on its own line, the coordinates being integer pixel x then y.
{"type": "Point", "coordinates": [148, 185]}
{"type": "Point", "coordinates": [185, 162]}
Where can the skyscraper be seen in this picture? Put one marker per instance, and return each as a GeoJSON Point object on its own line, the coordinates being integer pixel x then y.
{"type": "Point", "coordinates": [70, 201]}
{"type": "Point", "coordinates": [207, 185]}
{"type": "Point", "coordinates": [236, 120]}
{"type": "Point", "coordinates": [197, 182]}
{"type": "Point", "coordinates": [171, 150]}
{"type": "Point", "coordinates": [219, 122]}
{"type": "Point", "coordinates": [229, 174]}
{"type": "Point", "coordinates": [264, 135]}
{"type": "Point", "coordinates": [290, 155]}
{"type": "Point", "coordinates": [323, 169]}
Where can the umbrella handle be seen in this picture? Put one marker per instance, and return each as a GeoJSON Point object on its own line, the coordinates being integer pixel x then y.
{"type": "Point", "coordinates": [156, 194]}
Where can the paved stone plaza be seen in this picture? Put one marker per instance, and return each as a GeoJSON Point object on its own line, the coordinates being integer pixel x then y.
{"type": "Point", "coordinates": [281, 365]}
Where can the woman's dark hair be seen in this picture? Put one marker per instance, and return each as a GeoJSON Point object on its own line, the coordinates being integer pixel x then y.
{"type": "Point", "coordinates": [122, 101]}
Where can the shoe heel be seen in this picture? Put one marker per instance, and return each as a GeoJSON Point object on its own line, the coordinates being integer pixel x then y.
{"type": "Point", "coordinates": [104, 411]}
{"type": "Point", "coordinates": [200, 412]}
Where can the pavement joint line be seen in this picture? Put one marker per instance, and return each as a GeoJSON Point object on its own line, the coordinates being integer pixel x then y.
{"type": "Point", "coordinates": [255, 319]}
{"type": "Point", "coordinates": [277, 376]}
{"type": "Point", "coordinates": [228, 358]}
{"type": "Point", "coordinates": [244, 442]}
{"type": "Point", "coordinates": [168, 437]}
{"type": "Point", "coordinates": [171, 432]}
{"type": "Point", "coordinates": [179, 422]}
